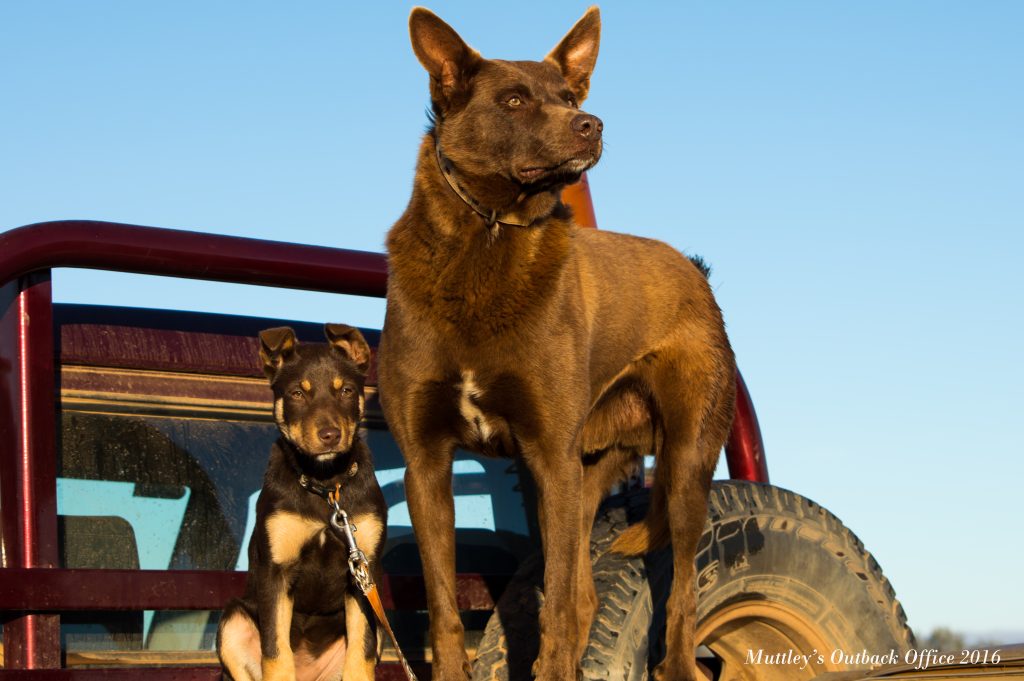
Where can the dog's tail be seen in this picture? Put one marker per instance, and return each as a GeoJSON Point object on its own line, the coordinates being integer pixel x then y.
{"type": "Point", "coordinates": [649, 534]}
{"type": "Point", "coordinates": [701, 264]}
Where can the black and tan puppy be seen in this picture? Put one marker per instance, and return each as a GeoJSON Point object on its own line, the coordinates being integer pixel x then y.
{"type": "Point", "coordinates": [512, 332]}
{"type": "Point", "coordinates": [302, 616]}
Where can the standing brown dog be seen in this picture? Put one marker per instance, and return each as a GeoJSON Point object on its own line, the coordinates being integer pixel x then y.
{"type": "Point", "coordinates": [512, 332]}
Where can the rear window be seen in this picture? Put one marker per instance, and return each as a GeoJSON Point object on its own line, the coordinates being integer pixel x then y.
{"type": "Point", "coordinates": [160, 469]}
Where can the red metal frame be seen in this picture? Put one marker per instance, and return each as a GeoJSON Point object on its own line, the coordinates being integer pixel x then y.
{"type": "Point", "coordinates": [28, 457]}
{"type": "Point", "coordinates": [45, 590]}
{"type": "Point", "coordinates": [177, 253]}
{"type": "Point", "coordinates": [31, 590]}
{"type": "Point", "coordinates": [744, 451]}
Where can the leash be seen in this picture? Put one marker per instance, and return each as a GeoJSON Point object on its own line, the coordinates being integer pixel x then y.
{"type": "Point", "coordinates": [358, 565]}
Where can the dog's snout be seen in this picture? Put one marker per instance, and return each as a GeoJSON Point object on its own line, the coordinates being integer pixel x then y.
{"type": "Point", "coordinates": [329, 436]}
{"type": "Point", "coordinates": [587, 125]}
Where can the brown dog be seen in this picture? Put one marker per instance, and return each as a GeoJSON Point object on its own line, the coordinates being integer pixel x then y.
{"type": "Point", "coordinates": [512, 332]}
{"type": "Point", "coordinates": [303, 617]}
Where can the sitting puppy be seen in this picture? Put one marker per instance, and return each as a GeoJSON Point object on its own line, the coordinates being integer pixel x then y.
{"type": "Point", "coordinates": [303, 616]}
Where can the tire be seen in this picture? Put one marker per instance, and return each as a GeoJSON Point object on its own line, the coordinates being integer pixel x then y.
{"type": "Point", "coordinates": [510, 642]}
{"type": "Point", "coordinates": [775, 573]}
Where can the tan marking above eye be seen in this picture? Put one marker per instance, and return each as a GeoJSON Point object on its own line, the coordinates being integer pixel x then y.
{"type": "Point", "coordinates": [288, 533]}
{"type": "Point", "coordinates": [338, 383]}
{"type": "Point", "coordinates": [306, 385]}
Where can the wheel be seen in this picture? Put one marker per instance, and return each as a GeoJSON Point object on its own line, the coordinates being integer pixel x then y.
{"type": "Point", "coordinates": [510, 642]}
{"type": "Point", "coordinates": [775, 573]}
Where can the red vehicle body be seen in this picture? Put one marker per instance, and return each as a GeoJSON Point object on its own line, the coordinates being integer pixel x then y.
{"type": "Point", "coordinates": [34, 589]}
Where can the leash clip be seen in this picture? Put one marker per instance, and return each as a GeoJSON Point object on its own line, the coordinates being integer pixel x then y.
{"type": "Point", "coordinates": [358, 565]}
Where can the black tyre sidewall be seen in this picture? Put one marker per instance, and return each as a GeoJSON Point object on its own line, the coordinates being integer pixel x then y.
{"type": "Point", "coordinates": [761, 543]}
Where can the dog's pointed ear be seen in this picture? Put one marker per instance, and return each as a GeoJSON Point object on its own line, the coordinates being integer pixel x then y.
{"type": "Point", "coordinates": [348, 341]}
{"type": "Point", "coordinates": [450, 62]}
{"type": "Point", "coordinates": [276, 346]}
{"type": "Point", "coordinates": [576, 55]}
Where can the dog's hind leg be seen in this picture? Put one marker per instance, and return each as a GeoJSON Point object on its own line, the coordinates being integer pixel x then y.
{"type": "Point", "coordinates": [238, 644]}
{"type": "Point", "coordinates": [686, 502]}
{"type": "Point", "coordinates": [688, 395]}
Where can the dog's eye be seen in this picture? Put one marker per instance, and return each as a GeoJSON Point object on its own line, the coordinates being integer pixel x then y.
{"type": "Point", "coordinates": [297, 394]}
{"type": "Point", "coordinates": [346, 391]}
{"type": "Point", "coordinates": [514, 101]}
{"type": "Point", "coordinates": [572, 102]}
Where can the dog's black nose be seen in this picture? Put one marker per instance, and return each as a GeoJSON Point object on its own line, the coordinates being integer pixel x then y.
{"type": "Point", "coordinates": [587, 126]}
{"type": "Point", "coordinates": [329, 436]}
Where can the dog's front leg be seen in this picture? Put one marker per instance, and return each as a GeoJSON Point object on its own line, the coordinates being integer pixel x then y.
{"type": "Point", "coordinates": [360, 658]}
{"type": "Point", "coordinates": [558, 472]}
{"type": "Point", "coordinates": [428, 488]}
{"type": "Point", "coordinates": [275, 611]}
{"type": "Point", "coordinates": [599, 474]}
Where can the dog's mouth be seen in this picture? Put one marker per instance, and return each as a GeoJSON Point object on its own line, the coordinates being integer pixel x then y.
{"type": "Point", "coordinates": [320, 454]}
{"type": "Point", "coordinates": [567, 170]}
{"type": "Point", "coordinates": [323, 455]}
{"type": "Point", "coordinates": [312, 446]}
{"type": "Point", "coordinates": [531, 174]}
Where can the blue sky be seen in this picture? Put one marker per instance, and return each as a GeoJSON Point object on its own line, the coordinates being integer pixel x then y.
{"type": "Point", "coordinates": [853, 171]}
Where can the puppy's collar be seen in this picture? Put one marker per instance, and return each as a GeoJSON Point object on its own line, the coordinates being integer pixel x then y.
{"type": "Point", "coordinates": [306, 483]}
{"type": "Point", "coordinates": [491, 216]}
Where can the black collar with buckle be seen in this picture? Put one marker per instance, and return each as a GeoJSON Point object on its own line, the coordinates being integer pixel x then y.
{"type": "Point", "coordinates": [311, 486]}
{"type": "Point", "coordinates": [307, 484]}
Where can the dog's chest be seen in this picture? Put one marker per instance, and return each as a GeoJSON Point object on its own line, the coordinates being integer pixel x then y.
{"type": "Point", "coordinates": [289, 534]}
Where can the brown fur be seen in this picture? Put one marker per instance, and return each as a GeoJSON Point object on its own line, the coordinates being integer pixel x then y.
{"type": "Point", "coordinates": [513, 332]}
{"type": "Point", "coordinates": [302, 617]}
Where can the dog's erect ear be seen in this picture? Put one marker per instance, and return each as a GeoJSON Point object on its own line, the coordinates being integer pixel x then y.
{"type": "Point", "coordinates": [450, 62]}
{"type": "Point", "coordinates": [276, 346]}
{"type": "Point", "coordinates": [348, 341]}
{"type": "Point", "coordinates": [576, 55]}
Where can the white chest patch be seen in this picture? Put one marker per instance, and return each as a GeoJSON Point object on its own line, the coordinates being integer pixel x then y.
{"type": "Point", "coordinates": [468, 391]}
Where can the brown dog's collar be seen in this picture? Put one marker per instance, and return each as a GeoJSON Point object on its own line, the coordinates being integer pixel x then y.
{"type": "Point", "coordinates": [492, 216]}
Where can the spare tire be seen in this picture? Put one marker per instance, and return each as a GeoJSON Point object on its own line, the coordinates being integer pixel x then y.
{"type": "Point", "coordinates": [779, 577]}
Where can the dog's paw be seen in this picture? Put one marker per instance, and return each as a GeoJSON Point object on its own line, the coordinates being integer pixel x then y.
{"type": "Point", "coordinates": [279, 669]}
{"type": "Point", "coordinates": [664, 672]}
{"type": "Point", "coordinates": [555, 672]}
{"type": "Point", "coordinates": [452, 674]}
